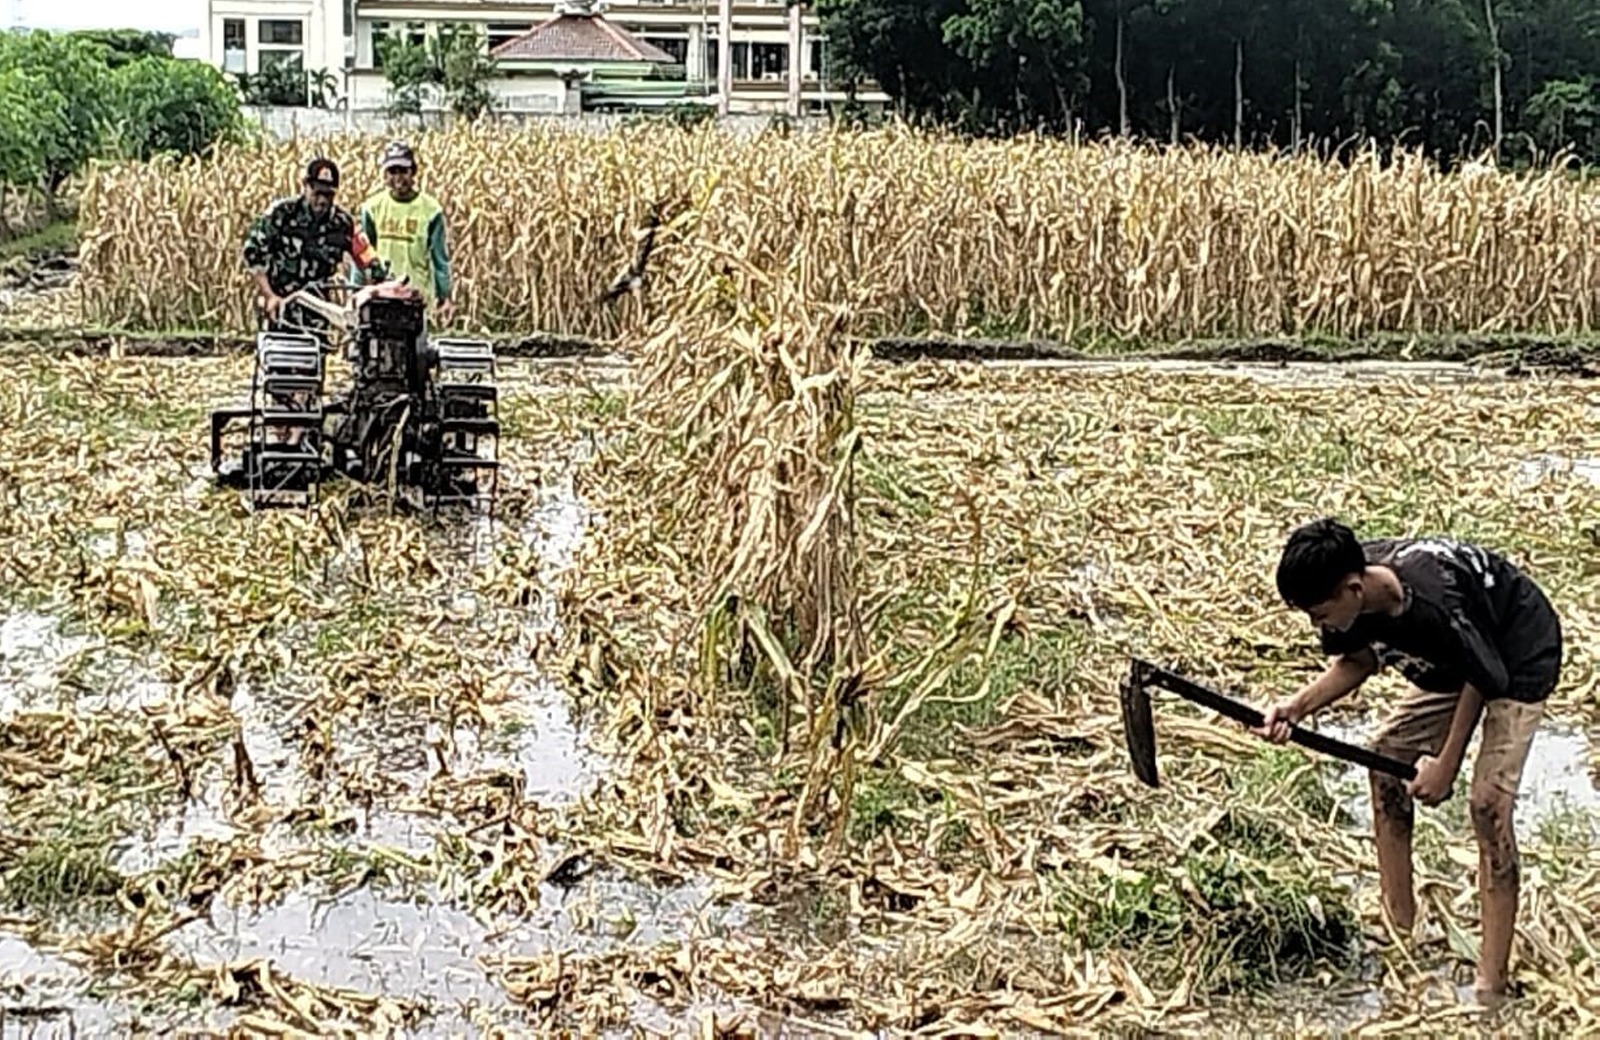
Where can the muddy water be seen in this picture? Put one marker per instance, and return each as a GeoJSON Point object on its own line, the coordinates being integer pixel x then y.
{"type": "Point", "coordinates": [35, 655]}
{"type": "Point", "coordinates": [1552, 466]}
{"type": "Point", "coordinates": [367, 940]}
{"type": "Point", "coordinates": [1556, 782]}
{"type": "Point", "coordinates": [440, 955]}
{"type": "Point", "coordinates": [42, 996]}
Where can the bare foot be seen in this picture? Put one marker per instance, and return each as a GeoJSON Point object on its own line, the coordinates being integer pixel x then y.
{"type": "Point", "coordinates": [1491, 1001]}
{"type": "Point", "coordinates": [1489, 995]}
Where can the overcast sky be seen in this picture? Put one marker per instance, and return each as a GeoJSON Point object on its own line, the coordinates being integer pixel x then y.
{"type": "Point", "coordinates": [165, 15]}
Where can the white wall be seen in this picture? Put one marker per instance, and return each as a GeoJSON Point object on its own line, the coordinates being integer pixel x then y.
{"type": "Point", "coordinates": [289, 123]}
{"type": "Point", "coordinates": [370, 90]}
{"type": "Point", "coordinates": [322, 32]}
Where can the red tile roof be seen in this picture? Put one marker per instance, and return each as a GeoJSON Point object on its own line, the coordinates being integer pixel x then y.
{"type": "Point", "coordinates": [580, 37]}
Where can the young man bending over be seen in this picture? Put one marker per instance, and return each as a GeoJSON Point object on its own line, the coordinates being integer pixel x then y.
{"type": "Point", "coordinates": [1474, 635]}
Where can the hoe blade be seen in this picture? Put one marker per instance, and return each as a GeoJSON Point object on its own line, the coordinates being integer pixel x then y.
{"type": "Point", "coordinates": [1138, 729]}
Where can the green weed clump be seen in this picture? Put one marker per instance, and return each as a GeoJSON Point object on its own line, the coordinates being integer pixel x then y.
{"type": "Point", "coordinates": [66, 868]}
{"type": "Point", "coordinates": [1235, 912]}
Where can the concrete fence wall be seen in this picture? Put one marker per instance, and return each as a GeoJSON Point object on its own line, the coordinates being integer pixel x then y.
{"type": "Point", "coordinates": [289, 123]}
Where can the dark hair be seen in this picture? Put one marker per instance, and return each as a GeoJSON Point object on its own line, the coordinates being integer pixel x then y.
{"type": "Point", "coordinates": [1316, 558]}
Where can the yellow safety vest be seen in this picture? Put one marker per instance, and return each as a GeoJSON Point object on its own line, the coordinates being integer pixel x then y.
{"type": "Point", "coordinates": [400, 232]}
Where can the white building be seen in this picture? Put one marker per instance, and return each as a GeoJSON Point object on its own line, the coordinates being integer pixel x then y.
{"type": "Point", "coordinates": [247, 36]}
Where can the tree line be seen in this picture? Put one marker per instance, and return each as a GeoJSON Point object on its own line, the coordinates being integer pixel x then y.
{"type": "Point", "coordinates": [67, 98]}
{"type": "Point", "coordinates": [1520, 78]}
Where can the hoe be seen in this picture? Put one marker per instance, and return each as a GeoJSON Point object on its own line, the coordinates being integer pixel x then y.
{"type": "Point", "coordinates": [419, 417]}
{"type": "Point", "coordinates": [1141, 735]}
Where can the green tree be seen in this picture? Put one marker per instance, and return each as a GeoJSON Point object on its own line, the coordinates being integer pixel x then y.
{"type": "Point", "coordinates": [1454, 77]}
{"type": "Point", "coordinates": [321, 87]}
{"type": "Point", "coordinates": [123, 46]}
{"type": "Point", "coordinates": [409, 68]}
{"type": "Point", "coordinates": [1171, 46]}
{"type": "Point", "coordinates": [285, 85]}
{"type": "Point", "coordinates": [462, 68]}
{"type": "Point", "coordinates": [25, 125]}
{"type": "Point", "coordinates": [1115, 32]}
{"type": "Point", "coordinates": [174, 106]}
{"type": "Point", "coordinates": [72, 92]}
{"type": "Point", "coordinates": [1031, 50]}
{"type": "Point", "coordinates": [456, 61]}
{"type": "Point", "coordinates": [901, 45]}
{"type": "Point", "coordinates": [1566, 114]}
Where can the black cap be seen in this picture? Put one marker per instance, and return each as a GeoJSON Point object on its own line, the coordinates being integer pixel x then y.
{"type": "Point", "coordinates": [322, 173]}
{"type": "Point", "coordinates": [398, 153]}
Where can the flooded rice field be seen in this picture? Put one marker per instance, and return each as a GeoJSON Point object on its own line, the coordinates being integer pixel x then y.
{"type": "Point", "coordinates": [361, 774]}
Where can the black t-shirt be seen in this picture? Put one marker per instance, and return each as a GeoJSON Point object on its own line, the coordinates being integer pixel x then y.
{"type": "Point", "coordinates": [1470, 616]}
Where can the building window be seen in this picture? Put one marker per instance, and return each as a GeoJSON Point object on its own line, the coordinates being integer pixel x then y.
{"type": "Point", "coordinates": [349, 18]}
{"type": "Point", "coordinates": [711, 60]}
{"type": "Point", "coordinates": [815, 72]}
{"type": "Point", "coordinates": [233, 47]}
{"type": "Point", "coordinates": [769, 60]}
{"type": "Point", "coordinates": [281, 32]}
{"type": "Point", "coordinates": [760, 61]}
{"type": "Point", "coordinates": [380, 33]}
{"type": "Point", "coordinates": [501, 33]}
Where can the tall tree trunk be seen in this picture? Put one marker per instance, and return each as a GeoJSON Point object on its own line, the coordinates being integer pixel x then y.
{"type": "Point", "coordinates": [1173, 119]}
{"type": "Point", "coordinates": [1018, 100]}
{"type": "Point", "coordinates": [1238, 93]}
{"type": "Point", "coordinates": [1298, 103]}
{"type": "Point", "coordinates": [1122, 81]}
{"type": "Point", "coordinates": [1499, 83]}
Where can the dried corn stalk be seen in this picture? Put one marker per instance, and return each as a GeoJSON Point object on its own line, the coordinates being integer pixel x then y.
{"type": "Point", "coordinates": [1026, 237]}
{"type": "Point", "coordinates": [745, 407]}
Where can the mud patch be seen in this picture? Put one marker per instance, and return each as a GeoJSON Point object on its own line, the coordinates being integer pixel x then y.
{"type": "Point", "coordinates": [1336, 1010]}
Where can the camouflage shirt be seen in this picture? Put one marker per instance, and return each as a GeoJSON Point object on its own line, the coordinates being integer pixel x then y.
{"type": "Point", "coordinates": [296, 248]}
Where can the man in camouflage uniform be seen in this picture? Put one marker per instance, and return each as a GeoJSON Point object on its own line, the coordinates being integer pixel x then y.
{"type": "Point", "coordinates": [301, 240]}
{"type": "Point", "coordinates": [298, 242]}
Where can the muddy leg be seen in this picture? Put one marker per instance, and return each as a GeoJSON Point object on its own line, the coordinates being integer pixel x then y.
{"type": "Point", "coordinates": [1499, 884]}
{"type": "Point", "coordinates": [1508, 731]}
{"type": "Point", "coordinates": [1393, 817]}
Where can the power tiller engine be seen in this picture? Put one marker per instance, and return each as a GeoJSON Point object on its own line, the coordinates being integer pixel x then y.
{"type": "Point", "coordinates": [420, 418]}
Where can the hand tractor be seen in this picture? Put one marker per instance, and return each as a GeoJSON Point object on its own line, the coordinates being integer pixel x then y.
{"type": "Point", "coordinates": [420, 418]}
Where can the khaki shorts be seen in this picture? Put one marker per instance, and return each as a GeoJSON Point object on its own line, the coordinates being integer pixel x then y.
{"type": "Point", "coordinates": [1421, 721]}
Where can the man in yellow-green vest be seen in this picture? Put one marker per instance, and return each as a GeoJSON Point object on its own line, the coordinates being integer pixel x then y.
{"type": "Point", "coordinates": [407, 228]}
